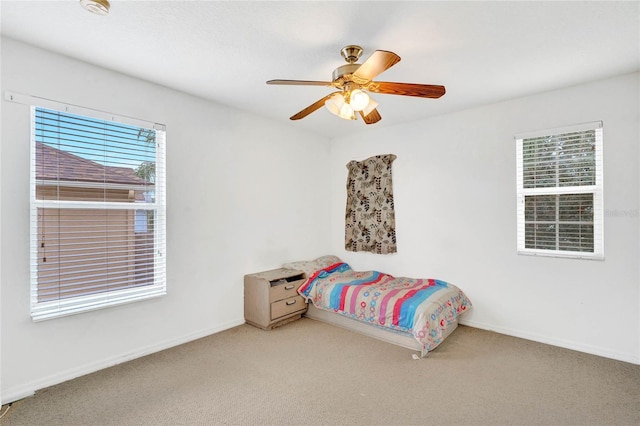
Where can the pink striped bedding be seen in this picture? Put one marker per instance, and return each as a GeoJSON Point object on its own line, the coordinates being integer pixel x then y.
{"type": "Point", "coordinates": [421, 307]}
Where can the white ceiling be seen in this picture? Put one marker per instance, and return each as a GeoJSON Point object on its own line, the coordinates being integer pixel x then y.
{"type": "Point", "coordinates": [225, 51]}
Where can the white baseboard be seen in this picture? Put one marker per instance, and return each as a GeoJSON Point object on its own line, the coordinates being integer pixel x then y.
{"type": "Point", "coordinates": [567, 344]}
{"type": "Point", "coordinates": [28, 389]}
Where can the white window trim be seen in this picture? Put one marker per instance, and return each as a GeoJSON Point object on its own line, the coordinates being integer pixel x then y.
{"type": "Point", "coordinates": [597, 190]}
{"type": "Point", "coordinates": [58, 308]}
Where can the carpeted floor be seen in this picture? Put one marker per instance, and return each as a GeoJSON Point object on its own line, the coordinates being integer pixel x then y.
{"type": "Point", "coordinates": [308, 372]}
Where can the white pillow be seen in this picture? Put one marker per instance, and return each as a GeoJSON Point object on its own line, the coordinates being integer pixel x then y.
{"type": "Point", "coordinates": [311, 266]}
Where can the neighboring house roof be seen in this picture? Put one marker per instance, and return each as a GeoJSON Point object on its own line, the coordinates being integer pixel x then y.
{"type": "Point", "coordinates": [56, 164]}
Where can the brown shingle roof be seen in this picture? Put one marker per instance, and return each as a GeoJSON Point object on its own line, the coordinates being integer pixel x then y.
{"type": "Point", "coordinates": [55, 164]}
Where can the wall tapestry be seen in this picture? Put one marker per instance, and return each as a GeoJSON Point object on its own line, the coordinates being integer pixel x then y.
{"type": "Point", "coordinates": [370, 223]}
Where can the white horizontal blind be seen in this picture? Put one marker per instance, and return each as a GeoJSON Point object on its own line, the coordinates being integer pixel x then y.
{"type": "Point", "coordinates": [97, 213]}
{"type": "Point", "coordinates": [559, 179]}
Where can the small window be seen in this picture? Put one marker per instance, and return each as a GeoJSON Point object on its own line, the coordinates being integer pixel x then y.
{"type": "Point", "coordinates": [559, 192]}
{"type": "Point", "coordinates": [97, 212]}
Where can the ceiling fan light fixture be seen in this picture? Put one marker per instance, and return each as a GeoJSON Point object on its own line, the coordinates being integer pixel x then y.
{"type": "Point", "coordinates": [334, 103]}
{"type": "Point", "coordinates": [347, 112]}
{"type": "Point", "coordinates": [339, 107]}
{"type": "Point", "coordinates": [358, 100]}
{"type": "Point", "coordinates": [99, 7]}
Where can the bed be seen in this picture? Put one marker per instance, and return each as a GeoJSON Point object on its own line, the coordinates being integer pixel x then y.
{"type": "Point", "coordinates": [414, 313]}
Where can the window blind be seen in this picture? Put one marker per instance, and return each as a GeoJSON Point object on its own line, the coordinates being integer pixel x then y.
{"type": "Point", "coordinates": [97, 212]}
{"type": "Point", "coordinates": [559, 195]}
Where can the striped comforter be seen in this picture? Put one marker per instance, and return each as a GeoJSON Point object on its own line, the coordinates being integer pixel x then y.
{"type": "Point", "coordinates": [422, 307]}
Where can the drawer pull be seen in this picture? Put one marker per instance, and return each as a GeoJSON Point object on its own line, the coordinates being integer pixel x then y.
{"type": "Point", "coordinates": [289, 287]}
{"type": "Point", "coordinates": [291, 302]}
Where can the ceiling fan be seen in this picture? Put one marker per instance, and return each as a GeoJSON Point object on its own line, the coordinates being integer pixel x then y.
{"type": "Point", "coordinates": [353, 81]}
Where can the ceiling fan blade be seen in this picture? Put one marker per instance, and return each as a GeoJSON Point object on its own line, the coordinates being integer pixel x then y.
{"type": "Point", "coordinates": [372, 117]}
{"type": "Point", "coordinates": [311, 108]}
{"type": "Point", "coordinates": [300, 83]}
{"type": "Point", "coordinates": [407, 89]}
{"type": "Point", "coordinates": [379, 61]}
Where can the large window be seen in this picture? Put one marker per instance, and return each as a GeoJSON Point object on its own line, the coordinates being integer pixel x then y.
{"type": "Point", "coordinates": [560, 209]}
{"type": "Point", "coordinates": [97, 211]}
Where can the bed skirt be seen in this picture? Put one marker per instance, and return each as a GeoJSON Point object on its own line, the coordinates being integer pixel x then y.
{"type": "Point", "coordinates": [405, 340]}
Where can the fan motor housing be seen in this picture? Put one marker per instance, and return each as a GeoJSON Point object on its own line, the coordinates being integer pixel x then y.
{"type": "Point", "coordinates": [343, 74]}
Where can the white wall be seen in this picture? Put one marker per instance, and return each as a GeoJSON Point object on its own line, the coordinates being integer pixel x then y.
{"type": "Point", "coordinates": [236, 204]}
{"type": "Point", "coordinates": [455, 197]}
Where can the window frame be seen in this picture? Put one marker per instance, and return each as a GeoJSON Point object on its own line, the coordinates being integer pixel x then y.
{"type": "Point", "coordinates": [44, 310]}
{"type": "Point", "coordinates": [597, 189]}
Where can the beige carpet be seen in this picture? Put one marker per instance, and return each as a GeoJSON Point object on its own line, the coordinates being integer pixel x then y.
{"type": "Point", "coordinates": [308, 372]}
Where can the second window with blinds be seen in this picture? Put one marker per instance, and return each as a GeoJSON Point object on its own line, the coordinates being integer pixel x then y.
{"type": "Point", "coordinates": [560, 192]}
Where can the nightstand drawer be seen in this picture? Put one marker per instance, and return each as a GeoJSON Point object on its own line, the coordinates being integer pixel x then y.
{"type": "Point", "coordinates": [284, 290]}
{"type": "Point", "coordinates": [287, 306]}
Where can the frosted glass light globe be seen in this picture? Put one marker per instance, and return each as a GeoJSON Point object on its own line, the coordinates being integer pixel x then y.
{"type": "Point", "coordinates": [334, 103]}
{"type": "Point", "coordinates": [347, 112]}
{"type": "Point", "coordinates": [358, 100]}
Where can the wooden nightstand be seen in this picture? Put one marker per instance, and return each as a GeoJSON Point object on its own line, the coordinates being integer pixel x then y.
{"type": "Point", "coordinates": [271, 297]}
